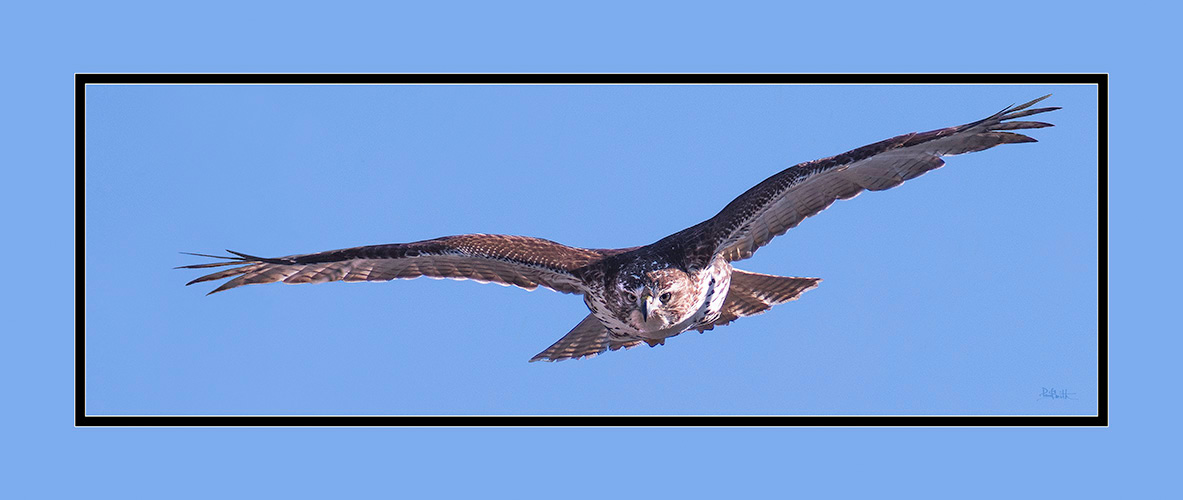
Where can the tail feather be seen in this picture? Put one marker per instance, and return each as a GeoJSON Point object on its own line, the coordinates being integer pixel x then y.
{"type": "Point", "coordinates": [587, 339]}
{"type": "Point", "coordinates": [754, 293]}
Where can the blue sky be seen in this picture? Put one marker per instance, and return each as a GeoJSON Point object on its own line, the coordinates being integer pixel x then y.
{"type": "Point", "coordinates": [39, 209]}
{"type": "Point", "coordinates": [934, 301]}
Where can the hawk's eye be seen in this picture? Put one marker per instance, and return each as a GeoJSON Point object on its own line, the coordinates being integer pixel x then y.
{"type": "Point", "coordinates": [665, 297]}
{"type": "Point", "coordinates": [630, 296]}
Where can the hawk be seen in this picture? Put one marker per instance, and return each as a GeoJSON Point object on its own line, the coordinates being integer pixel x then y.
{"type": "Point", "coordinates": [650, 293]}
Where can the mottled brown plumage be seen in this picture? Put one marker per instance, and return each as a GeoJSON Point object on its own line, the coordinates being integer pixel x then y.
{"type": "Point", "coordinates": [683, 281]}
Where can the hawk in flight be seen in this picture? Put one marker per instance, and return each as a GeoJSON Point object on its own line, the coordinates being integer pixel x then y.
{"type": "Point", "coordinates": [682, 282]}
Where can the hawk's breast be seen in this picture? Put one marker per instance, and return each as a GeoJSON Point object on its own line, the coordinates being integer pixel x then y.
{"type": "Point", "coordinates": [714, 283]}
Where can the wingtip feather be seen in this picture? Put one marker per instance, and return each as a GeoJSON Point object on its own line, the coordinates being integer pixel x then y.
{"type": "Point", "coordinates": [1029, 103]}
{"type": "Point", "coordinates": [245, 256]}
{"type": "Point", "coordinates": [234, 283]}
{"type": "Point", "coordinates": [1019, 113]}
{"type": "Point", "coordinates": [208, 255]}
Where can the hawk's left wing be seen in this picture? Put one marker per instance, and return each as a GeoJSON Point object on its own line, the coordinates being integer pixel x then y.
{"type": "Point", "coordinates": [785, 199]}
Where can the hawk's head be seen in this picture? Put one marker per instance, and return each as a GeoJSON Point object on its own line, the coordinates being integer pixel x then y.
{"type": "Point", "coordinates": [652, 300]}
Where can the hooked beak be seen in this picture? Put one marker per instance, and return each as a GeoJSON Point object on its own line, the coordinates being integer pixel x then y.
{"type": "Point", "coordinates": [648, 303]}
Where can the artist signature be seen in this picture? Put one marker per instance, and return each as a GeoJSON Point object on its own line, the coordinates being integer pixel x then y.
{"type": "Point", "coordinates": [1045, 393]}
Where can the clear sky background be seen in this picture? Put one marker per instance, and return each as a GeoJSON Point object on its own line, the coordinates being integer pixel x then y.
{"type": "Point", "coordinates": [963, 291]}
{"type": "Point", "coordinates": [969, 292]}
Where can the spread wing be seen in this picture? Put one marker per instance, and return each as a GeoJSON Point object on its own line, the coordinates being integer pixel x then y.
{"type": "Point", "coordinates": [785, 199]}
{"type": "Point", "coordinates": [508, 260]}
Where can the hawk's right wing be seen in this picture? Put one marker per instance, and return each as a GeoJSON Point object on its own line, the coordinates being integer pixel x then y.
{"type": "Point", "coordinates": [508, 260]}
